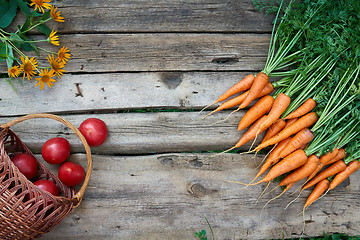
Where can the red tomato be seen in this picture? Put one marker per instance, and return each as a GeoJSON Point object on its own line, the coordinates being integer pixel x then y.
{"type": "Point", "coordinates": [55, 150]}
{"type": "Point", "coordinates": [47, 185]}
{"type": "Point", "coordinates": [94, 131]}
{"type": "Point", "coordinates": [26, 164]}
{"type": "Point", "coordinates": [71, 174]}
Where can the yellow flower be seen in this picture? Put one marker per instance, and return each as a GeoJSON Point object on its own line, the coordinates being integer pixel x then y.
{"type": "Point", "coordinates": [14, 71]}
{"type": "Point", "coordinates": [63, 55]}
{"type": "Point", "coordinates": [39, 4]}
{"type": "Point", "coordinates": [28, 66]}
{"type": "Point", "coordinates": [45, 77]}
{"type": "Point", "coordinates": [53, 38]}
{"type": "Point", "coordinates": [56, 65]}
{"type": "Point", "coordinates": [56, 14]}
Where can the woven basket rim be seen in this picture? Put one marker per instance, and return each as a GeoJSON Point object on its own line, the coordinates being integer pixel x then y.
{"type": "Point", "coordinates": [77, 198]}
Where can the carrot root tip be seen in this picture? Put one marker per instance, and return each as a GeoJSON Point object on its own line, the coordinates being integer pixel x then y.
{"type": "Point", "coordinates": [207, 107]}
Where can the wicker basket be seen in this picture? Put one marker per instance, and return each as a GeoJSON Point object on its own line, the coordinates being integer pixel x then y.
{"type": "Point", "coordinates": [24, 217]}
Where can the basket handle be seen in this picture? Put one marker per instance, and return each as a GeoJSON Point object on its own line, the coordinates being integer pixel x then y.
{"type": "Point", "coordinates": [80, 194]}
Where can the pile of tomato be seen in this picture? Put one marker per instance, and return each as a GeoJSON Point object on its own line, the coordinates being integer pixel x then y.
{"type": "Point", "coordinates": [57, 151]}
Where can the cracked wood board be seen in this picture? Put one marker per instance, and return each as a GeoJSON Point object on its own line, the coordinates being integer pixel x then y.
{"type": "Point", "coordinates": [112, 91]}
{"type": "Point", "coordinates": [168, 196]}
{"type": "Point", "coordinates": [161, 52]}
{"type": "Point", "coordinates": [159, 16]}
{"type": "Point", "coordinates": [140, 133]}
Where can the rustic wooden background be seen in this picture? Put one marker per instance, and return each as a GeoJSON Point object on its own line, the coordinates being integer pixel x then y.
{"type": "Point", "coordinates": [153, 177]}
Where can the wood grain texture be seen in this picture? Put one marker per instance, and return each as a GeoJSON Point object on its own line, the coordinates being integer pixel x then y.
{"type": "Point", "coordinates": [141, 133]}
{"type": "Point", "coordinates": [168, 196]}
{"type": "Point", "coordinates": [160, 52]}
{"type": "Point", "coordinates": [175, 90]}
{"type": "Point", "coordinates": [159, 16]}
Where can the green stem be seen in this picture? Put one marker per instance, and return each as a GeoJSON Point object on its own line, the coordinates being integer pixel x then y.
{"type": "Point", "coordinates": [43, 49]}
{"type": "Point", "coordinates": [272, 41]}
{"type": "Point", "coordinates": [4, 32]}
{"type": "Point", "coordinates": [39, 23]}
{"type": "Point", "coordinates": [330, 110]}
{"type": "Point", "coordinates": [34, 41]}
{"type": "Point", "coordinates": [8, 41]}
{"type": "Point", "coordinates": [307, 92]}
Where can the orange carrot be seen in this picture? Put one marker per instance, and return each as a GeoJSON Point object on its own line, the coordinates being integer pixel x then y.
{"type": "Point", "coordinates": [273, 157]}
{"type": "Point", "coordinates": [260, 81]}
{"type": "Point", "coordinates": [306, 107]}
{"type": "Point", "coordinates": [291, 162]}
{"type": "Point", "coordinates": [281, 102]}
{"type": "Point", "coordinates": [330, 171]}
{"type": "Point", "coordinates": [341, 154]}
{"type": "Point", "coordinates": [301, 138]}
{"type": "Point", "coordinates": [290, 121]}
{"type": "Point", "coordinates": [255, 112]}
{"type": "Point", "coordinates": [302, 172]}
{"type": "Point", "coordinates": [274, 129]}
{"type": "Point", "coordinates": [323, 161]}
{"type": "Point", "coordinates": [266, 90]}
{"type": "Point", "coordinates": [241, 86]}
{"type": "Point", "coordinates": [341, 176]}
{"type": "Point", "coordinates": [319, 189]}
{"type": "Point", "coordinates": [288, 187]}
{"type": "Point", "coordinates": [303, 122]}
{"type": "Point", "coordinates": [328, 156]}
{"type": "Point", "coordinates": [303, 146]}
{"type": "Point", "coordinates": [239, 99]}
{"type": "Point", "coordinates": [250, 133]}
{"type": "Point", "coordinates": [229, 104]}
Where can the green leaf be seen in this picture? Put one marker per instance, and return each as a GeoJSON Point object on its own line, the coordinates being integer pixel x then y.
{"type": "Point", "coordinates": [44, 29]}
{"type": "Point", "coordinates": [37, 14]}
{"type": "Point", "coordinates": [26, 25]}
{"type": "Point", "coordinates": [16, 38]}
{"type": "Point", "coordinates": [9, 9]}
{"type": "Point", "coordinates": [45, 16]}
{"type": "Point", "coordinates": [3, 51]}
{"type": "Point", "coordinates": [9, 62]}
{"type": "Point", "coordinates": [29, 46]}
{"type": "Point", "coordinates": [4, 6]}
{"type": "Point", "coordinates": [10, 58]}
{"type": "Point", "coordinates": [24, 7]}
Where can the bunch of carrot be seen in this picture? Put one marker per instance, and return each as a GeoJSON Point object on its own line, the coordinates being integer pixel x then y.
{"type": "Point", "coordinates": [312, 119]}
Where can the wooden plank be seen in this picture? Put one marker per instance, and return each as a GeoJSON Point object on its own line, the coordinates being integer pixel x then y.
{"type": "Point", "coordinates": [159, 16]}
{"type": "Point", "coordinates": [161, 52]}
{"type": "Point", "coordinates": [139, 133]}
{"type": "Point", "coordinates": [168, 196]}
{"type": "Point", "coordinates": [181, 90]}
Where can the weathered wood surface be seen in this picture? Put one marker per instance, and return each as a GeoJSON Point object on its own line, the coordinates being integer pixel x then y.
{"type": "Point", "coordinates": [129, 55]}
{"type": "Point", "coordinates": [142, 133]}
{"type": "Point", "coordinates": [162, 52]}
{"type": "Point", "coordinates": [99, 92]}
{"type": "Point", "coordinates": [168, 196]}
{"type": "Point", "coordinates": [160, 16]}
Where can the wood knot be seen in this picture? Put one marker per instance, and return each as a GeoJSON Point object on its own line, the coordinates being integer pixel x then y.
{"type": "Point", "coordinates": [198, 190]}
{"type": "Point", "coordinates": [167, 160]}
{"type": "Point", "coordinates": [196, 163]}
{"type": "Point", "coordinates": [225, 60]}
{"type": "Point", "coordinates": [171, 80]}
